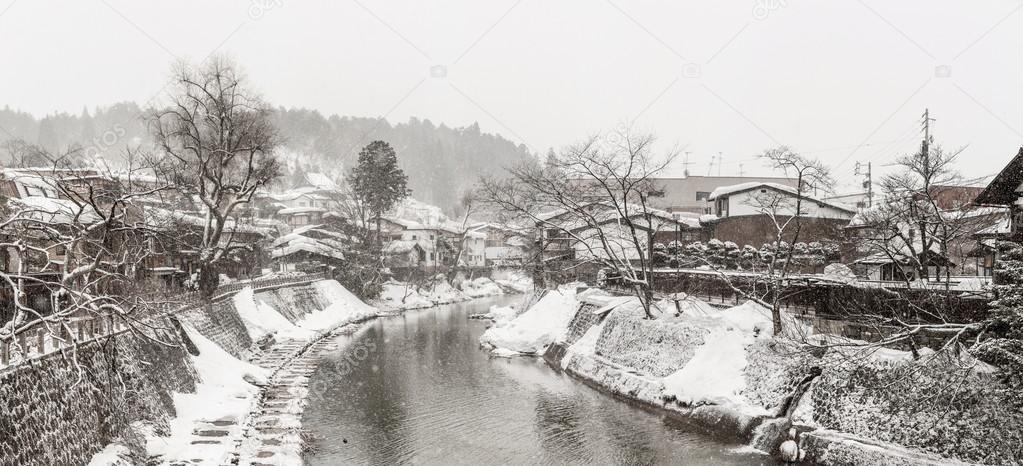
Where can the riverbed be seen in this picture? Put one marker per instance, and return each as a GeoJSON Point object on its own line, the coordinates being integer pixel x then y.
{"type": "Point", "coordinates": [417, 389]}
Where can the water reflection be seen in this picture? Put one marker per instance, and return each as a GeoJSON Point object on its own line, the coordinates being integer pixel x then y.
{"type": "Point", "coordinates": [420, 391]}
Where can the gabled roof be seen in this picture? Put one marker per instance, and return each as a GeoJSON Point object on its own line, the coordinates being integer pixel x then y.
{"type": "Point", "coordinates": [1002, 189]}
{"type": "Point", "coordinates": [741, 188]}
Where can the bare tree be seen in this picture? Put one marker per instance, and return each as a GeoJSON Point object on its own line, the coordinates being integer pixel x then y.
{"type": "Point", "coordinates": [923, 217]}
{"type": "Point", "coordinates": [79, 237]}
{"type": "Point", "coordinates": [599, 191]}
{"type": "Point", "coordinates": [216, 145]}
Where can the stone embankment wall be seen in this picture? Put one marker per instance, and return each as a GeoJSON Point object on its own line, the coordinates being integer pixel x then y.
{"type": "Point", "coordinates": [220, 323]}
{"type": "Point", "coordinates": [295, 302]}
{"type": "Point", "coordinates": [890, 411]}
{"type": "Point", "coordinates": [63, 408]}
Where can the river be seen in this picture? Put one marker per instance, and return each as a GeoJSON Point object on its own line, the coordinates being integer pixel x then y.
{"type": "Point", "coordinates": [417, 389]}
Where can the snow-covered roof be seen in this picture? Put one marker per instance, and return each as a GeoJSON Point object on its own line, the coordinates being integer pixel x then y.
{"type": "Point", "coordinates": [743, 187]}
{"type": "Point", "coordinates": [158, 215]}
{"type": "Point", "coordinates": [53, 210]}
{"type": "Point", "coordinates": [320, 181]}
{"type": "Point", "coordinates": [300, 210]}
{"type": "Point", "coordinates": [400, 246]}
{"type": "Point", "coordinates": [310, 231]}
{"type": "Point", "coordinates": [306, 191]}
{"type": "Point", "coordinates": [609, 213]}
{"type": "Point", "coordinates": [331, 245]}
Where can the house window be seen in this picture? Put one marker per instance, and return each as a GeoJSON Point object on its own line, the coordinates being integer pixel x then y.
{"type": "Point", "coordinates": [431, 236]}
{"type": "Point", "coordinates": [702, 195]}
{"type": "Point", "coordinates": [414, 237]}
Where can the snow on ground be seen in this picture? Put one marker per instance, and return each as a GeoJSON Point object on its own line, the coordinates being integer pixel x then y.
{"type": "Point", "coordinates": [502, 315]}
{"type": "Point", "coordinates": [480, 287]}
{"type": "Point", "coordinates": [345, 307]}
{"type": "Point", "coordinates": [544, 323]}
{"type": "Point", "coordinates": [400, 296]}
{"type": "Point", "coordinates": [260, 318]}
{"type": "Point", "coordinates": [514, 281]}
{"type": "Point", "coordinates": [716, 372]}
{"type": "Point", "coordinates": [222, 395]}
{"type": "Point", "coordinates": [114, 454]}
{"type": "Point", "coordinates": [225, 393]}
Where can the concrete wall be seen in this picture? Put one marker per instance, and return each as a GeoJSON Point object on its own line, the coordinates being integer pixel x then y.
{"type": "Point", "coordinates": [63, 408]}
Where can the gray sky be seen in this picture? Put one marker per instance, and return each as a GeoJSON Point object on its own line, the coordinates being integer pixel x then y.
{"type": "Point", "coordinates": [842, 80]}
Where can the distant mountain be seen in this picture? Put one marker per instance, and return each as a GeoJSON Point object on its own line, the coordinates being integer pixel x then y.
{"type": "Point", "coordinates": [442, 162]}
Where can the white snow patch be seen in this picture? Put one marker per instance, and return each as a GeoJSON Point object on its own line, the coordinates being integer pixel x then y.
{"type": "Point", "coordinates": [715, 374]}
{"type": "Point", "coordinates": [544, 323]}
{"type": "Point", "coordinates": [113, 454]}
{"type": "Point", "coordinates": [222, 394]}
{"type": "Point", "coordinates": [260, 318]}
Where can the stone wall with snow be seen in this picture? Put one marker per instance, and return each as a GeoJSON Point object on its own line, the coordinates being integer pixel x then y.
{"type": "Point", "coordinates": [653, 347]}
{"type": "Point", "coordinates": [221, 323]}
{"type": "Point", "coordinates": [63, 408]}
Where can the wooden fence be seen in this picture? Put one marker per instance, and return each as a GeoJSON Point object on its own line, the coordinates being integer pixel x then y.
{"type": "Point", "coordinates": [42, 337]}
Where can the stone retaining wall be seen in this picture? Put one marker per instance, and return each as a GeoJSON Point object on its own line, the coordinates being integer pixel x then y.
{"type": "Point", "coordinates": [294, 303]}
{"type": "Point", "coordinates": [653, 347]}
{"type": "Point", "coordinates": [63, 408]}
{"type": "Point", "coordinates": [220, 323]}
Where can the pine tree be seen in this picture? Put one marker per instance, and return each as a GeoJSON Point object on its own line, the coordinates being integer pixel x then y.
{"type": "Point", "coordinates": [377, 180]}
{"type": "Point", "coordinates": [1003, 346]}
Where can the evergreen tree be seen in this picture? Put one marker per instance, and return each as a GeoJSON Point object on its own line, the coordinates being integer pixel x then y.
{"type": "Point", "coordinates": [1003, 344]}
{"type": "Point", "coordinates": [377, 180]}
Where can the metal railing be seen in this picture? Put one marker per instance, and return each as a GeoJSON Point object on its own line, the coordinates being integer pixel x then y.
{"type": "Point", "coordinates": [41, 338]}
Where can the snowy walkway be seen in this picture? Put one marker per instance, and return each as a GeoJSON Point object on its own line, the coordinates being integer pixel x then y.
{"type": "Point", "coordinates": [274, 434]}
{"type": "Point", "coordinates": [271, 434]}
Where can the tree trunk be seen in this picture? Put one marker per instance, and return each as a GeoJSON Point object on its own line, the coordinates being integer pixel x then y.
{"type": "Point", "coordinates": [207, 280]}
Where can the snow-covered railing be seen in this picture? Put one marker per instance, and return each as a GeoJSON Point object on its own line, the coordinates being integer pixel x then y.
{"type": "Point", "coordinates": [41, 338]}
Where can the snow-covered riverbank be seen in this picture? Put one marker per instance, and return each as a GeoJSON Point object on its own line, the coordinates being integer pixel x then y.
{"type": "Point", "coordinates": [401, 296]}
{"type": "Point", "coordinates": [723, 370]}
{"type": "Point", "coordinates": [211, 421]}
{"type": "Point", "coordinates": [249, 407]}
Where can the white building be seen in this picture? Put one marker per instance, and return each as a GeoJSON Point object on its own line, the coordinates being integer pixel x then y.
{"type": "Point", "coordinates": [759, 198]}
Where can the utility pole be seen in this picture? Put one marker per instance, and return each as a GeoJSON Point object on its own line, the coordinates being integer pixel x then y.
{"type": "Point", "coordinates": [710, 169]}
{"type": "Point", "coordinates": [742, 171]}
{"type": "Point", "coordinates": [685, 165]}
{"type": "Point", "coordinates": [868, 184]}
{"type": "Point", "coordinates": [925, 146]}
{"type": "Point", "coordinates": [720, 157]}
{"type": "Point", "coordinates": [925, 153]}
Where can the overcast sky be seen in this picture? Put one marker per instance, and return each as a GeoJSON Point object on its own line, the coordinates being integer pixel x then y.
{"type": "Point", "coordinates": [842, 80]}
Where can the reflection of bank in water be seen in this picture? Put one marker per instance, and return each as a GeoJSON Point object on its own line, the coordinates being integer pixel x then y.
{"type": "Point", "coordinates": [427, 394]}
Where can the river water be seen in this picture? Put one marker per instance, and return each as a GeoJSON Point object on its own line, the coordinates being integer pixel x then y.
{"type": "Point", "coordinates": [417, 389]}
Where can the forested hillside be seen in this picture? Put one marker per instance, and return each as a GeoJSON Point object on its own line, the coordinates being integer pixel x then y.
{"type": "Point", "coordinates": [441, 162]}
